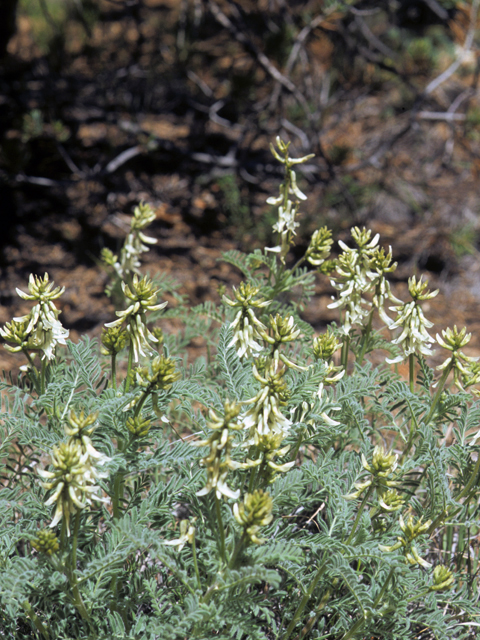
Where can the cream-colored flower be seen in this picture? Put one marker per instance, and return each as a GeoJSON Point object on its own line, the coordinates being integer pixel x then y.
{"type": "Point", "coordinates": [72, 481]}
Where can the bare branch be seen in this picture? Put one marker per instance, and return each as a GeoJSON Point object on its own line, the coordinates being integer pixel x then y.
{"type": "Point", "coordinates": [261, 57]}
{"type": "Point", "coordinates": [434, 84]}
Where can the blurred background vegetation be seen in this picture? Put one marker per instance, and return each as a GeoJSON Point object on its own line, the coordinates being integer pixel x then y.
{"type": "Point", "coordinates": [107, 102]}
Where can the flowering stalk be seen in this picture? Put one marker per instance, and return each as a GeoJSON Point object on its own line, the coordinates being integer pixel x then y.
{"type": "Point", "coordinates": [287, 209]}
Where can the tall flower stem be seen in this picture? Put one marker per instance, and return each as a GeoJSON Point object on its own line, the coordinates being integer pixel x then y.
{"type": "Point", "coordinates": [438, 393]}
{"type": "Point", "coordinates": [43, 375]}
{"type": "Point", "coordinates": [36, 381]}
{"type": "Point", "coordinates": [359, 514]}
{"type": "Point", "coordinates": [72, 574]}
{"type": "Point", "coordinates": [129, 368]}
{"type": "Point", "coordinates": [114, 371]}
{"type": "Point", "coordinates": [195, 563]}
{"type": "Point", "coordinates": [304, 601]}
{"type": "Point", "coordinates": [411, 371]}
{"type": "Point", "coordinates": [366, 335]}
{"type": "Point", "coordinates": [221, 528]}
{"type": "Point", "coordinates": [345, 350]}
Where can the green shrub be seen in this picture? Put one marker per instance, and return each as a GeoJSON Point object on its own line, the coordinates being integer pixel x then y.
{"type": "Point", "coordinates": [284, 487]}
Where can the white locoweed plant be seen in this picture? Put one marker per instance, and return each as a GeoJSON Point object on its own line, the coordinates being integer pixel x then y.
{"type": "Point", "coordinates": [283, 487]}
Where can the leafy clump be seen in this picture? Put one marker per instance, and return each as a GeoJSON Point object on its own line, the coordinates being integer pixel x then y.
{"type": "Point", "coordinates": [286, 488]}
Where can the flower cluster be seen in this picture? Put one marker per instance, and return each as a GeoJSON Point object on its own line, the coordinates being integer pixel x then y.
{"type": "Point", "coordinates": [319, 247]}
{"type": "Point", "coordinates": [76, 471]}
{"type": "Point", "coordinates": [46, 542]}
{"type": "Point", "coordinates": [362, 270]}
{"type": "Point", "coordinates": [246, 327]}
{"type": "Point", "coordinates": [287, 208]}
{"type": "Point", "coordinates": [218, 461]}
{"type": "Point", "coordinates": [411, 530]}
{"type": "Point", "coordinates": [134, 246]}
{"type": "Point", "coordinates": [383, 465]}
{"type": "Point", "coordinates": [282, 330]}
{"type": "Point", "coordinates": [161, 375]}
{"type": "Point", "coordinates": [269, 447]}
{"type": "Point", "coordinates": [72, 481]}
{"type": "Point", "coordinates": [113, 340]}
{"type": "Point", "coordinates": [142, 297]}
{"type": "Point", "coordinates": [39, 330]}
{"type": "Point", "coordinates": [464, 374]}
{"type": "Point", "coordinates": [187, 534]}
{"type": "Point", "coordinates": [254, 513]}
{"type": "Point", "coordinates": [414, 337]}
{"type": "Point", "coordinates": [265, 417]}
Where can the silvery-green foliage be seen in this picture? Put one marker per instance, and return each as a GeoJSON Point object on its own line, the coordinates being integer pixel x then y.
{"type": "Point", "coordinates": [318, 543]}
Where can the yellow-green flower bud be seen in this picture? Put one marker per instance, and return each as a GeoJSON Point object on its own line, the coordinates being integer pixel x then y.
{"type": "Point", "coordinates": [114, 340]}
{"type": "Point", "coordinates": [254, 513]}
{"type": "Point", "coordinates": [383, 464]}
{"type": "Point", "coordinates": [20, 333]}
{"type": "Point", "coordinates": [418, 290]}
{"type": "Point", "coordinates": [391, 500]}
{"type": "Point", "coordinates": [319, 247]}
{"type": "Point", "coordinates": [143, 216]}
{"type": "Point", "coordinates": [283, 330]}
{"type": "Point", "coordinates": [163, 374]}
{"type": "Point", "coordinates": [46, 542]}
{"type": "Point", "coordinates": [108, 257]}
{"type": "Point", "coordinates": [443, 578]}
{"type": "Point", "coordinates": [138, 427]}
{"type": "Point", "coordinates": [41, 290]}
{"type": "Point", "coordinates": [325, 345]}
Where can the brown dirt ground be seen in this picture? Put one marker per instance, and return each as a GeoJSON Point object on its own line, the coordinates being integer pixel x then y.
{"type": "Point", "coordinates": [428, 191]}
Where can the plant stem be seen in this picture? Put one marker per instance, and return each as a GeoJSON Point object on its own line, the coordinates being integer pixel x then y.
{"type": "Point", "coordinates": [366, 335]}
{"type": "Point", "coordinates": [35, 619]}
{"type": "Point", "coordinates": [359, 514]}
{"type": "Point", "coordinates": [411, 371]}
{"type": "Point", "coordinates": [117, 489]}
{"type": "Point", "coordinates": [34, 371]}
{"type": "Point", "coordinates": [345, 349]}
{"type": "Point", "coordinates": [238, 548]}
{"type": "Point", "coordinates": [72, 574]}
{"type": "Point", "coordinates": [384, 588]}
{"type": "Point", "coordinates": [438, 393]}
{"type": "Point", "coordinates": [195, 563]}
{"type": "Point", "coordinates": [222, 531]}
{"type": "Point", "coordinates": [129, 368]}
{"type": "Point", "coordinates": [114, 371]}
{"type": "Point", "coordinates": [353, 630]}
{"type": "Point", "coordinates": [473, 477]}
{"type": "Point", "coordinates": [304, 601]}
{"type": "Point", "coordinates": [43, 375]}
{"type": "Point", "coordinates": [298, 445]}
